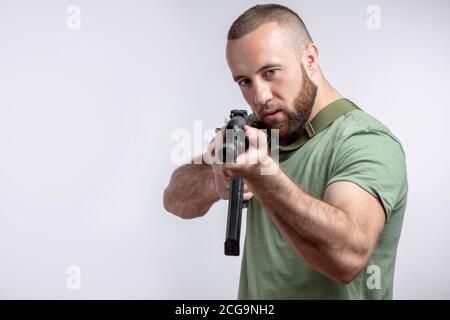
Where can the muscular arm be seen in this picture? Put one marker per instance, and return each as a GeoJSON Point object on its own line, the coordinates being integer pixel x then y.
{"type": "Point", "coordinates": [190, 192]}
{"type": "Point", "coordinates": [335, 236]}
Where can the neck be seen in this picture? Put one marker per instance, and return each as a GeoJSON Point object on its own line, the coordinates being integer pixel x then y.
{"type": "Point", "coordinates": [326, 94]}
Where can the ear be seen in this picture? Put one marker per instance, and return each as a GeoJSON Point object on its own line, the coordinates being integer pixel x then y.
{"type": "Point", "coordinates": [311, 59]}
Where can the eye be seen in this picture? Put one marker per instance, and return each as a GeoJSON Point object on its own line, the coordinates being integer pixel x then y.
{"type": "Point", "coordinates": [270, 73]}
{"type": "Point", "coordinates": [243, 82]}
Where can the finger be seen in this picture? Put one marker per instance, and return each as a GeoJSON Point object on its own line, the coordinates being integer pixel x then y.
{"type": "Point", "coordinates": [235, 170]}
{"type": "Point", "coordinates": [248, 195]}
{"type": "Point", "coordinates": [253, 136]}
{"type": "Point", "coordinates": [256, 137]}
{"type": "Point", "coordinates": [246, 158]}
{"type": "Point", "coordinates": [213, 146]}
{"type": "Point", "coordinates": [216, 145]}
{"type": "Point", "coordinates": [208, 156]}
{"type": "Point", "coordinates": [254, 132]}
{"type": "Point", "coordinates": [229, 169]}
{"type": "Point", "coordinates": [241, 159]}
{"type": "Point", "coordinates": [250, 131]}
{"type": "Point", "coordinates": [221, 172]}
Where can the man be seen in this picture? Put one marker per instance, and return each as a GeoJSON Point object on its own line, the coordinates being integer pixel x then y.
{"type": "Point", "coordinates": [326, 223]}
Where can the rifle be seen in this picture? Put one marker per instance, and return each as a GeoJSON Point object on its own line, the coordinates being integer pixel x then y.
{"type": "Point", "coordinates": [234, 144]}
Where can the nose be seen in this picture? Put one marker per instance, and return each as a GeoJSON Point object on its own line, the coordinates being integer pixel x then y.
{"type": "Point", "coordinates": [262, 93]}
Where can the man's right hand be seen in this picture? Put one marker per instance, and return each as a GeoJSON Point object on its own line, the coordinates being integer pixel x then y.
{"type": "Point", "coordinates": [221, 182]}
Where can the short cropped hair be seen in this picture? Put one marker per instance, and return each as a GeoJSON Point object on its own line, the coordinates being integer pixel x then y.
{"type": "Point", "coordinates": [261, 14]}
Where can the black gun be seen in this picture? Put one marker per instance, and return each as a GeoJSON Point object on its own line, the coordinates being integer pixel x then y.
{"type": "Point", "coordinates": [234, 144]}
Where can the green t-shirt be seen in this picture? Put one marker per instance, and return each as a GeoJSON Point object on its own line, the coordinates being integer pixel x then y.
{"type": "Point", "coordinates": [358, 148]}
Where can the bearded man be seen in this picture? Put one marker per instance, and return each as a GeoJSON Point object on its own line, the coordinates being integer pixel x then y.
{"type": "Point", "coordinates": [326, 223]}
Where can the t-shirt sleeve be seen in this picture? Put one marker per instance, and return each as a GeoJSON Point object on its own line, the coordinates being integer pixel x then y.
{"type": "Point", "coordinates": [375, 161]}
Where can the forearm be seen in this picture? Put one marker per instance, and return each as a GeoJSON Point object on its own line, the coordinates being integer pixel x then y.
{"type": "Point", "coordinates": [190, 192]}
{"type": "Point", "coordinates": [323, 235]}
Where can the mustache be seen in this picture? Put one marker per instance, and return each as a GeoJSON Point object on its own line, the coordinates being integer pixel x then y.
{"type": "Point", "coordinates": [266, 108]}
{"type": "Point", "coordinates": [255, 122]}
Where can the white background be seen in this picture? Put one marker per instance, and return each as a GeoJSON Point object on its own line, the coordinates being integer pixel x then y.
{"type": "Point", "coordinates": [86, 118]}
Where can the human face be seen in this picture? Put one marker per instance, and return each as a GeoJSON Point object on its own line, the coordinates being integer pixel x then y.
{"type": "Point", "coordinates": [272, 80]}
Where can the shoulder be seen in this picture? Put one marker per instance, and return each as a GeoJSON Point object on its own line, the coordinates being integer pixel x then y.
{"type": "Point", "coordinates": [360, 126]}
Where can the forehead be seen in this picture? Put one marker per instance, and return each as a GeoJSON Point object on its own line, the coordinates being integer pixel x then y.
{"type": "Point", "coordinates": [266, 44]}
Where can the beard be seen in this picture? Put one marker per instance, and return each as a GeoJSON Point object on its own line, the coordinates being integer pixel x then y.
{"type": "Point", "coordinates": [291, 128]}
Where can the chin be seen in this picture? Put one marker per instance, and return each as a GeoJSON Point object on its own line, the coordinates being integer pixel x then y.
{"type": "Point", "coordinates": [277, 124]}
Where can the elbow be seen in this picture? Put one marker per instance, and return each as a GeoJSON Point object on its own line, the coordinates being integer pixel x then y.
{"type": "Point", "coordinates": [353, 262]}
{"type": "Point", "coordinates": [167, 202]}
{"type": "Point", "coordinates": [186, 213]}
{"type": "Point", "coordinates": [350, 269]}
{"type": "Point", "coordinates": [348, 276]}
{"type": "Point", "coordinates": [192, 214]}
{"type": "Point", "coordinates": [183, 212]}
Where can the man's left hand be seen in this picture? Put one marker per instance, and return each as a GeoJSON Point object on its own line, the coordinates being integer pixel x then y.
{"type": "Point", "coordinates": [255, 160]}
